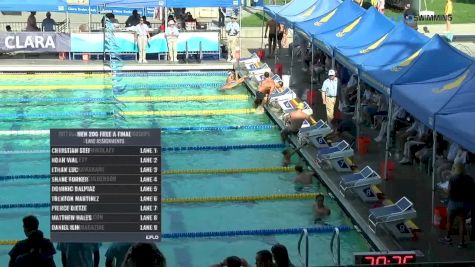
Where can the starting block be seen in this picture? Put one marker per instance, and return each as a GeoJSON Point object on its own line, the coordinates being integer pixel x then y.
{"type": "Point", "coordinates": [315, 134]}
{"type": "Point", "coordinates": [337, 156]}
{"type": "Point", "coordinates": [291, 105]}
{"type": "Point", "coordinates": [362, 183]}
{"type": "Point", "coordinates": [396, 218]}
{"type": "Point", "coordinates": [250, 60]}
{"type": "Point", "coordinates": [405, 229]}
{"type": "Point", "coordinates": [285, 94]}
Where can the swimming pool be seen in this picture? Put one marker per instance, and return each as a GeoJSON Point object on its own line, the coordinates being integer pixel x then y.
{"type": "Point", "coordinates": [26, 154]}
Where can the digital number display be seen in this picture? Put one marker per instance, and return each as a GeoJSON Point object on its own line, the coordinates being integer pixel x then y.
{"type": "Point", "coordinates": [385, 258]}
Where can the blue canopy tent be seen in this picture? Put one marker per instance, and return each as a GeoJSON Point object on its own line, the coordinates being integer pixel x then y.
{"type": "Point", "coordinates": [433, 79]}
{"type": "Point", "coordinates": [343, 14]}
{"type": "Point", "coordinates": [453, 120]}
{"type": "Point", "coordinates": [401, 39]}
{"type": "Point", "coordinates": [33, 5]}
{"type": "Point", "coordinates": [445, 103]}
{"type": "Point", "coordinates": [320, 8]}
{"type": "Point", "coordinates": [327, 41]}
{"type": "Point", "coordinates": [382, 77]}
{"type": "Point", "coordinates": [293, 8]}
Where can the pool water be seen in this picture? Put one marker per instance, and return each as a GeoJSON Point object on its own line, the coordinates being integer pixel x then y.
{"type": "Point", "coordinates": [176, 217]}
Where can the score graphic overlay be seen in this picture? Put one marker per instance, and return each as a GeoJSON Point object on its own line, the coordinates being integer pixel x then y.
{"type": "Point", "coordinates": [385, 258]}
{"type": "Point", "coordinates": [105, 185]}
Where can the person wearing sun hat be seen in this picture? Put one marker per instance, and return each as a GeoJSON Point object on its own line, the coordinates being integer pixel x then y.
{"type": "Point", "coordinates": [232, 29]}
{"type": "Point", "coordinates": [294, 122]}
{"type": "Point", "coordinates": [329, 93]}
{"type": "Point", "coordinates": [171, 33]}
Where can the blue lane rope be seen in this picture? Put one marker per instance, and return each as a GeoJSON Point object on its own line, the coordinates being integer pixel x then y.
{"type": "Point", "coordinates": [171, 85]}
{"type": "Point", "coordinates": [284, 231]}
{"type": "Point", "coordinates": [24, 177]}
{"type": "Point", "coordinates": [56, 115]}
{"type": "Point", "coordinates": [57, 99]}
{"type": "Point", "coordinates": [229, 147]}
{"type": "Point", "coordinates": [220, 128]}
{"type": "Point", "coordinates": [168, 74]}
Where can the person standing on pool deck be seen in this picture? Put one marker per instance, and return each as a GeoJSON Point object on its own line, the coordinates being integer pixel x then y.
{"type": "Point", "coordinates": [329, 93]}
{"type": "Point", "coordinates": [232, 29]}
{"type": "Point", "coordinates": [460, 200]}
{"type": "Point", "coordinates": [79, 254]}
{"type": "Point", "coordinates": [171, 33]}
{"type": "Point", "coordinates": [142, 35]}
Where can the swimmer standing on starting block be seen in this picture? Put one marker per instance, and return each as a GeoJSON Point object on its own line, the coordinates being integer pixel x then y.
{"type": "Point", "coordinates": [232, 81]}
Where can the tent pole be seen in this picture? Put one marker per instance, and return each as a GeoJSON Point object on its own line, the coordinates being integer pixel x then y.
{"type": "Point", "coordinates": [388, 135]}
{"type": "Point", "coordinates": [291, 61]}
{"type": "Point", "coordinates": [262, 29]}
{"type": "Point", "coordinates": [68, 29]}
{"type": "Point", "coordinates": [434, 148]}
{"type": "Point", "coordinates": [276, 47]}
{"type": "Point", "coordinates": [240, 24]}
{"type": "Point", "coordinates": [358, 104]}
{"type": "Point", "coordinates": [89, 19]}
{"type": "Point", "coordinates": [311, 67]}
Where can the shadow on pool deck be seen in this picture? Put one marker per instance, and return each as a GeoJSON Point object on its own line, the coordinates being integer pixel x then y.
{"type": "Point", "coordinates": [408, 181]}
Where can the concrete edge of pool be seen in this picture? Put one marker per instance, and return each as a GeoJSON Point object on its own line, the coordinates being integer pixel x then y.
{"type": "Point", "coordinates": [358, 220]}
{"type": "Point", "coordinates": [9, 66]}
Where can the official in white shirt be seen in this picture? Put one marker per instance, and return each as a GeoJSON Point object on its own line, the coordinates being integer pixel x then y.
{"type": "Point", "coordinates": [232, 29]}
{"type": "Point", "coordinates": [142, 34]}
{"type": "Point", "coordinates": [329, 93]}
{"type": "Point", "coordinates": [171, 33]}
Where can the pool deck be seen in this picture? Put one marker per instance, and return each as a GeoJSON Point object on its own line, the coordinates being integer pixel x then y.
{"type": "Point", "coordinates": [408, 181]}
{"type": "Point", "coordinates": [56, 65]}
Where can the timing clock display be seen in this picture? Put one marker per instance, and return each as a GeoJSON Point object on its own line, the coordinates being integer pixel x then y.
{"type": "Point", "coordinates": [385, 258]}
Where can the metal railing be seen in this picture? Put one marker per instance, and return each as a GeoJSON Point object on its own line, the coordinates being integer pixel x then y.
{"type": "Point", "coordinates": [303, 235]}
{"type": "Point", "coordinates": [337, 257]}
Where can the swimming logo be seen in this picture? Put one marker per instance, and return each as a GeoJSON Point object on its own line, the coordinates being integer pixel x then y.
{"type": "Point", "coordinates": [325, 19]}
{"type": "Point", "coordinates": [452, 85]}
{"type": "Point", "coordinates": [348, 28]}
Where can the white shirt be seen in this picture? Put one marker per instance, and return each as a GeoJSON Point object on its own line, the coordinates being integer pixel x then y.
{"type": "Point", "coordinates": [141, 29]}
{"type": "Point", "coordinates": [172, 32]}
{"type": "Point", "coordinates": [232, 28]}
{"type": "Point", "coordinates": [452, 151]}
{"type": "Point", "coordinates": [330, 87]}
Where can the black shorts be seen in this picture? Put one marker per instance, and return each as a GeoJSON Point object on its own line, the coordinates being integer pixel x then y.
{"type": "Point", "coordinates": [280, 35]}
{"type": "Point", "coordinates": [260, 95]}
{"type": "Point", "coordinates": [272, 37]}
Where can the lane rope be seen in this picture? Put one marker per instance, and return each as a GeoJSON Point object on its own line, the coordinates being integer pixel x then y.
{"type": "Point", "coordinates": [206, 112]}
{"type": "Point", "coordinates": [166, 172]}
{"type": "Point", "coordinates": [54, 87]}
{"type": "Point", "coordinates": [132, 99]}
{"type": "Point", "coordinates": [182, 98]}
{"type": "Point", "coordinates": [53, 75]}
{"type": "Point", "coordinates": [172, 85]}
{"type": "Point", "coordinates": [69, 114]}
{"type": "Point", "coordinates": [257, 232]}
{"type": "Point", "coordinates": [188, 200]}
{"type": "Point", "coordinates": [164, 129]}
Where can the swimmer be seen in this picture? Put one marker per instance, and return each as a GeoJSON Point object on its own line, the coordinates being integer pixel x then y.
{"type": "Point", "coordinates": [288, 155]}
{"type": "Point", "coordinates": [304, 178]}
{"type": "Point", "coordinates": [279, 86]}
{"type": "Point", "coordinates": [232, 82]}
{"type": "Point", "coordinates": [265, 89]}
{"type": "Point", "coordinates": [319, 208]}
